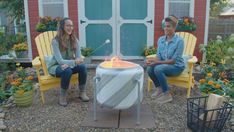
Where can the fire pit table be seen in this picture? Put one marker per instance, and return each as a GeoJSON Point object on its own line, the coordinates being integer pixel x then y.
{"type": "Point", "coordinates": [118, 85]}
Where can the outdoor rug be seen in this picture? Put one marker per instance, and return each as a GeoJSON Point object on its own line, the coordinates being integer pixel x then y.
{"type": "Point", "coordinates": [109, 118]}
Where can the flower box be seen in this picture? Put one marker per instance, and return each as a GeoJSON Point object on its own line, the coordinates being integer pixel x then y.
{"type": "Point", "coordinates": [184, 24]}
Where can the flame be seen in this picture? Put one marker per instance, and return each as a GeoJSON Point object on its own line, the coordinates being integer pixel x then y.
{"type": "Point", "coordinates": [116, 62]}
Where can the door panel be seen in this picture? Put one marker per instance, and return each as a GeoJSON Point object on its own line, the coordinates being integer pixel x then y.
{"type": "Point", "coordinates": [96, 34]}
{"type": "Point", "coordinates": [133, 39]}
{"type": "Point", "coordinates": [133, 9]}
{"type": "Point", "coordinates": [98, 9]}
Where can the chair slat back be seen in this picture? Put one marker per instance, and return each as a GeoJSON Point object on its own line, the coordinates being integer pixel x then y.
{"type": "Point", "coordinates": [43, 43]}
{"type": "Point", "coordinates": [189, 42]}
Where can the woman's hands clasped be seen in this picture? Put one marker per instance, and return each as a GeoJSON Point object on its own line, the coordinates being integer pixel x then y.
{"type": "Point", "coordinates": [151, 61]}
{"type": "Point", "coordinates": [79, 61]}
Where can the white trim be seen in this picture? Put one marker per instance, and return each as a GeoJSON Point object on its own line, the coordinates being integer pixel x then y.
{"type": "Point", "coordinates": [40, 8]}
{"type": "Point", "coordinates": [28, 30]}
{"type": "Point", "coordinates": [191, 12]}
{"type": "Point", "coordinates": [65, 7]}
{"type": "Point", "coordinates": [166, 7]}
{"type": "Point", "coordinates": [206, 28]}
{"type": "Point", "coordinates": [191, 7]}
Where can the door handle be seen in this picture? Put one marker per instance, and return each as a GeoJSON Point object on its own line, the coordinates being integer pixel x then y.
{"type": "Point", "coordinates": [150, 21]}
{"type": "Point", "coordinates": [81, 21]}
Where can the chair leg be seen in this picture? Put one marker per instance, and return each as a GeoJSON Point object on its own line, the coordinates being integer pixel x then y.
{"type": "Point", "coordinates": [149, 85]}
{"type": "Point", "coordinates": [42, 97]}
{"type": "Point", "coordinates": [189, 89]}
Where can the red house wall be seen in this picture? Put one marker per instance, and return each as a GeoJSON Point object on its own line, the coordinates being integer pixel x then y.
{"type": "Point", "coordinates": [199, 17]}
{"type": "Point", "coordinates": [34, 17]}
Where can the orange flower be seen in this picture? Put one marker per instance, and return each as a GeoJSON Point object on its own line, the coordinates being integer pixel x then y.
{"type": "Point", "coordinates": [217, 86]}
{"type": "Point", "coordinates": [222, 74]}
{"type": "Point", "coordinates": [225, 81]}
{"type": "Point", "coordinates": [30, 78]}
{"type": "Point", "coordinates": [210, 82]}
{"type": "Point", "coordinates": [186, 20]}
{"type": "Point", "coordinates": [201, 81]}
{"type": "Point", "coordinates": [209, 74]}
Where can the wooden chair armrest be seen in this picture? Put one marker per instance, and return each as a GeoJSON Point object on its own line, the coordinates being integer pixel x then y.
{"type": "Point", "coordinates": [36, 62]}
{"type": "Point", "coordinates": [192, 60]}
{"type": "Point", "coordinates": [151, 56]}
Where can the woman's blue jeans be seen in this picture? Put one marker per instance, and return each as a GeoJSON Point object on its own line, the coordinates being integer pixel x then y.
{"type": "Point", "coordinates": [158, 74]}
{"type": "Point", "coordinates": [67, 73]}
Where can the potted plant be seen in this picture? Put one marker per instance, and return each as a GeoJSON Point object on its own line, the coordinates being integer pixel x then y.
{"type": "Point", "coordinates": [149, 51]}
{"type": "Point", "coordinates": [184, 24]}
{"type": "Point", "coordinates": [47, 24]}
{"type": "Point", "coordinates": [87, 52]}
{"type": "Point", "coordinates": [21, 50]}
{"type": "Point", "coordinates": [22, 87]}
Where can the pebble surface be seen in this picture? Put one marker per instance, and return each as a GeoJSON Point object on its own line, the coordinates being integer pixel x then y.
{"type": "Point", "coordinates": [169, 117]}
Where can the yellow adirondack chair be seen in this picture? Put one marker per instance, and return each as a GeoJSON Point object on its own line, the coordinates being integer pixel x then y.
{"type": "Point", "coordinates": [46, 81]}
{"type": "Point", "coordinates": [186, 78]}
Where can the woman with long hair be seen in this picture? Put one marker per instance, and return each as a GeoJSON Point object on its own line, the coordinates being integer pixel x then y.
{"type": "Point", "coordinates": [67, 54]}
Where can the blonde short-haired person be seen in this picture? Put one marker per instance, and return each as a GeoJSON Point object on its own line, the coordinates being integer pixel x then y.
{"type": "Point", "coordinates": [168, 62]}
{"type": "Point", "coordinates": [67, 54]}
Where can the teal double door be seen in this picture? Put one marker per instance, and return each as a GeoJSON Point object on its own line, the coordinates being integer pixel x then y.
{"type": "Point", "coordinates": [128, 24]}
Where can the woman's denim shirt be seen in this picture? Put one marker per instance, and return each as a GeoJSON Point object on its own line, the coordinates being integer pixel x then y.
{"type": "Point", "coordinates": [171, 50]}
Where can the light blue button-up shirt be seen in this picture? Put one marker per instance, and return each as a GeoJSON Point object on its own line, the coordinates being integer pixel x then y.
{"type": "Point", "coordinates": [171, 50]}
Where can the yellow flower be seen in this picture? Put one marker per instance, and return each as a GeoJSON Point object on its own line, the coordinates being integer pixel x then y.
{"type": "Point", "coordinates": [212, 64]}
{"type": "Point", "coordinates": [223, 61]}
{"type": "Point", "coordinates": [17, 64]}
{"type": "Point", "coordinates": [209, 74]}
{"type": "Point", "coordinates": [20, 46]}
{"type": "Point", "coordinates": [210, 82]}
{"type": "Point", "coordinates": [20, 92]}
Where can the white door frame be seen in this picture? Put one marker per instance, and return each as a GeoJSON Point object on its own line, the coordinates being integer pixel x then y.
{"type": "Point", "coordinates": [116, 21]}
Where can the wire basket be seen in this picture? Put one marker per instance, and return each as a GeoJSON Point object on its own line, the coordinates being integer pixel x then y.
{"type": "Point", "coordinates": [199, 119]}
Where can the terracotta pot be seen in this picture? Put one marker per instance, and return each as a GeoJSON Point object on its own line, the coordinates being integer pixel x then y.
{"type": "Point", "coordinates": [25, 99]}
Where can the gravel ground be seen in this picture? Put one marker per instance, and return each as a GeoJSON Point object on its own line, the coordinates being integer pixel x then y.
{"type": "Point", "coordinates": [170, 117]}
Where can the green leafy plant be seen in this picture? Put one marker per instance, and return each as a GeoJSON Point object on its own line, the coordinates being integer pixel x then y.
{"type": "Point", "coordinates": [217, 50]}
{"type": "Point", "coordinates": [149, 51]}
{"type": "Point", "coordinates": [87, 51]}
{"type": "Point", "coordinates": [47, 24]}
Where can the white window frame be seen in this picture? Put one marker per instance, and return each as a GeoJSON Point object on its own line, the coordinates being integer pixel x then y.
{"type": "Point", "coordinates": [65, 7]}
{"type": "Point", "coordinates": [191, 7]}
